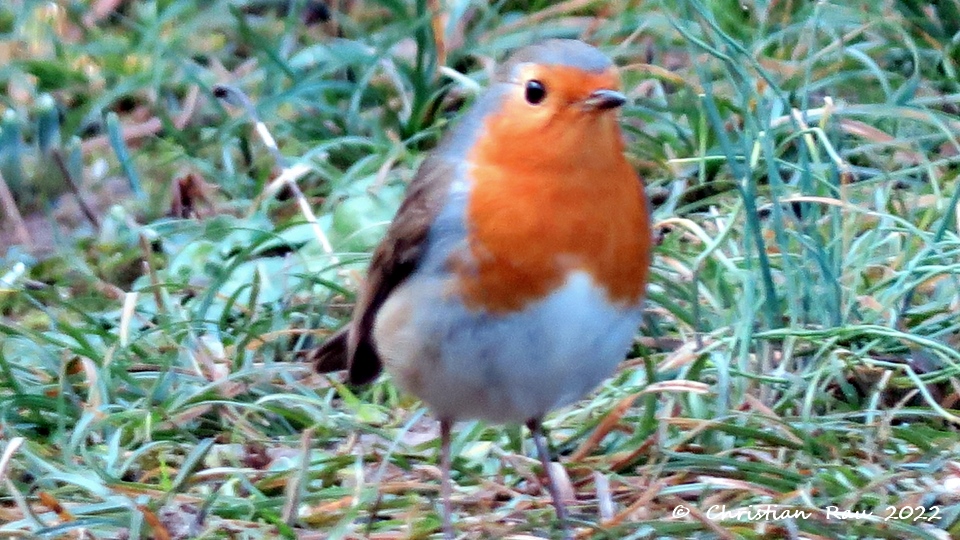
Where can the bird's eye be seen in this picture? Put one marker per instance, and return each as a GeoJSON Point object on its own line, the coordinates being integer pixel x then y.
{"type": "Point", "coordinates": [535, 92]}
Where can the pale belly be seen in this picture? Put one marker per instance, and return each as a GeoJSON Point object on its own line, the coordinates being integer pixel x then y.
{"type": "Point", "coordinates": [509, 368]}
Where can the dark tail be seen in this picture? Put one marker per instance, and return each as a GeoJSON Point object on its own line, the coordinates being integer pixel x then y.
{"type": "Point", "coordinates": [332, 355]}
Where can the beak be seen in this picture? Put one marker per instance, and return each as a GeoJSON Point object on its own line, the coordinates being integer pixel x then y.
{"type": "Point", "coordinates": [601, 100]}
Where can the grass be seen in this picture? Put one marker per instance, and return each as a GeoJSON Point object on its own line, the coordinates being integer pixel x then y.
{"type": "Point", "coordinates": [800, 348]}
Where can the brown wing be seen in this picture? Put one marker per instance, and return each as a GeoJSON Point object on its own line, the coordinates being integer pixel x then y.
{"type": "Point", "coordinates": [396, 257]}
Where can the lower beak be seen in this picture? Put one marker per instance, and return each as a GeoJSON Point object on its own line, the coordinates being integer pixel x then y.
{"type": "Point", "coordinates": [602, 100]}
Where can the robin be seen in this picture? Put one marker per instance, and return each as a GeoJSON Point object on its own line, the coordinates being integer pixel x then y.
{"type": "Point", "coordinates": [510, 281]}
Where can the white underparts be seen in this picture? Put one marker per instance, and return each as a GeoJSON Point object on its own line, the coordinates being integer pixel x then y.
{"type": "Point", "coordinates": [502, 368]}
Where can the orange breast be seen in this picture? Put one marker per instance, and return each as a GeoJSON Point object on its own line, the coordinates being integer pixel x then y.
{"type": "Point", "coordinates": [539, 209]}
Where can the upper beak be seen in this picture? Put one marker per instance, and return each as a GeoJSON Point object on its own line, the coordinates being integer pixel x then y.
{"type": "Point", "coordinates": [602, 100]}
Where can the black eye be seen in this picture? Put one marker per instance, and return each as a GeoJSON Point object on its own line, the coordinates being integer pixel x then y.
{"type": "Point", "coordinates": [535, 92]}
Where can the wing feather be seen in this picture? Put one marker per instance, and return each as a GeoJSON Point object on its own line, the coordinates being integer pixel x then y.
{"type": "Point", "coordinates": [394, 260]}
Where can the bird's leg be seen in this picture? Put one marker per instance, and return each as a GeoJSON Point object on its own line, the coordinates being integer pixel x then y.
{"type": "Point", "coordinates": [445, 483]}
{"type": "Point", "coordinates": [536, 429]}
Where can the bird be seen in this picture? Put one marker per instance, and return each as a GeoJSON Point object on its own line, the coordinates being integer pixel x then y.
{"type": "Point", "coordinates": [511, 280]}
